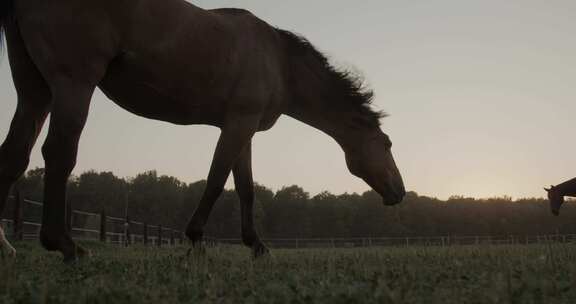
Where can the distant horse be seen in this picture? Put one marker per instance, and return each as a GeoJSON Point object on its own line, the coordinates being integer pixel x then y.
{"type": "Point", "coordinates": [556, 194]}
{"type": "Point", "coordinates": [172, 61]}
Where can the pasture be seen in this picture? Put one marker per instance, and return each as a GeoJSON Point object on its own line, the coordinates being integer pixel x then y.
{"type": "Point", "coordinates": [226, 274]}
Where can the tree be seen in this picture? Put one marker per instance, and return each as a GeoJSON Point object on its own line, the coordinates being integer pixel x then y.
{"type": "Point", "coordinates": [292, 213]}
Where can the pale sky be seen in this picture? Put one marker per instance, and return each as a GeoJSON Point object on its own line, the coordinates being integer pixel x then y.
{"type": "Point", "coordinates": [482, 98]}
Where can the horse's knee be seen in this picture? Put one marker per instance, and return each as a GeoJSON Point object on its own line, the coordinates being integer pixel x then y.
{"type": "Point", "coordinates": [59, 157]}
{"type": "Point", "coordinates": [15, 150]}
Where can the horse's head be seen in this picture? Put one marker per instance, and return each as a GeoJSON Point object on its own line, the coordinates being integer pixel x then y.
{"type": "Point", "coordinates": [339, 103]}
{"type": "Point", "coordinates": [556, 200]}
{"type": "Point", "coordinates": [370, 158]}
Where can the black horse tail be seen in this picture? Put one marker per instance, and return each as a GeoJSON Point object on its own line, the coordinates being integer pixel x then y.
{"type": "Point", "coordinates": [6, 10]}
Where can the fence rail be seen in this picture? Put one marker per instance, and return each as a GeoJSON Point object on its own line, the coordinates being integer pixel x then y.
{"type": "Point", "coordinates": [89, 226]}
{"type": "Point", "coordinates": [439, 241]}
{"type": "Point", "coordinates": [122, 231]}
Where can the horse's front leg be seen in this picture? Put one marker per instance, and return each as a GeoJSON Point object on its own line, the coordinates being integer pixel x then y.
{"type": "Point", "coordinates": [236, 134]}
{"type": "Point", "coordinates": [245, 189]}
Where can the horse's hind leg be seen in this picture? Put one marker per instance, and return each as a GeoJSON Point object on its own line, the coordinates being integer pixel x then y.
{"type": "Point", "coordinates": [31, 112]}
{"type": "Point", "coordinates": [70, 104]}
{"type": "Point", "coordinates": [73, 55]}
{"type": "Point", "coordinates": [245, 189]}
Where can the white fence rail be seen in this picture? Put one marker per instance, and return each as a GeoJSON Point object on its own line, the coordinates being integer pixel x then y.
{"type": "Point", "coordinates": [439, 241]}
{"type": "Point", "coordinates": [92, 226]}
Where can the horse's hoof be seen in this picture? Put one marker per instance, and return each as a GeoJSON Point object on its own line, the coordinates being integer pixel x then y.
{"type": "Point", "coordinates": [195, 235]}
{"type": "Point", "coordinates": [76, 255]}
{"type": "Point", "coordinates": [260, 251]}
{"type": "Point", "coordinates": [197, 250]}
{"type": "Point", "coordinates": [65, 245]}
{"type": "Point", "coordinates": [52, 242]}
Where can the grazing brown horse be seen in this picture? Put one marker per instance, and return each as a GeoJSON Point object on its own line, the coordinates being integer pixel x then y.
{"type": "Point", "coordinates": [172, 61]}
{"type": "Point", "coordinates": [556, 194]}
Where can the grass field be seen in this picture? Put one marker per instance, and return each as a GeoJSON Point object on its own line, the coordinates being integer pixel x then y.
{"type": "Point", "coordinates": [513, 274]}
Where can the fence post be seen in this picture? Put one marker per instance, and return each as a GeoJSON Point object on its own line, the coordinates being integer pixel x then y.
{"type": "Point", "coordinates": [68, 216]}
{"type": "Point", "coordinates": [181, 236]}
{"type": "Point", "coordinates": [17, 223]}
{"type": "Point", "coordinates": [103, 220]}
{"type": "Point", "coordinates": [127, 235]}
{"type": "Point", "coordinates": [145, 234]}
{"type": "Point", "coordinates": [172, 238]}
{"type": "Point", "coordinates": [159, 236]}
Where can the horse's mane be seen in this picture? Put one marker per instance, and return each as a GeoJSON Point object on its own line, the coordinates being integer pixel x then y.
{"type": "Point", "coordinates": [344, 84]}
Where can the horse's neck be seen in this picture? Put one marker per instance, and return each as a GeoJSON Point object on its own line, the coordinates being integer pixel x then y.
{"type": "Point", "coordinates": [314, 116]}
{"type": "Point", "coordinates": [567, 188]}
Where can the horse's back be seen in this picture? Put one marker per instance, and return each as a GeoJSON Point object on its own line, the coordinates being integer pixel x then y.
{"type": "Point", "coordinates": [196, 70]}
{"type": "Point", "coordinates": [166, 60]}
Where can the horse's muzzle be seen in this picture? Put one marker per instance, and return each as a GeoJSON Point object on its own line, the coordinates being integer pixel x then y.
{"type": "Point", "coordinates": [393, 198]}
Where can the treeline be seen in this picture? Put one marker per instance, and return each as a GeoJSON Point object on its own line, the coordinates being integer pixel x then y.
{"type": "Point", "coordinates": [293, 213]}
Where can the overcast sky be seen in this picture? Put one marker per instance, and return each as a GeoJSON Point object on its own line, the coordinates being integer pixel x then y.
{"type": "Point", "coordinates": [482, 98]}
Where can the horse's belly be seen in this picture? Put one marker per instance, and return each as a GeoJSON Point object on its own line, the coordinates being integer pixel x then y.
{"type": "Point", "coordinates": [154, 100]}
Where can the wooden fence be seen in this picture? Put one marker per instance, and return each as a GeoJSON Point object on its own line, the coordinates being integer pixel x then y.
{"type": "Point", "coordinates": [439, 241]}
{"type": "Point", "coordinates": [124, 231]}
{"type": "Point", "coordinates": [89, 226]}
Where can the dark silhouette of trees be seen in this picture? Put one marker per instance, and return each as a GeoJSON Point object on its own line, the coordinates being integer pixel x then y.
{"type": "Point", "coordinates": [292, 213]}
{"type": "Point", "coordinates": [94, 191]}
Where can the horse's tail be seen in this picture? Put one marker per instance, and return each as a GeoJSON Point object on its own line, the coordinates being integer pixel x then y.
{"type": "Point", "coordinates": [6, 9]}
